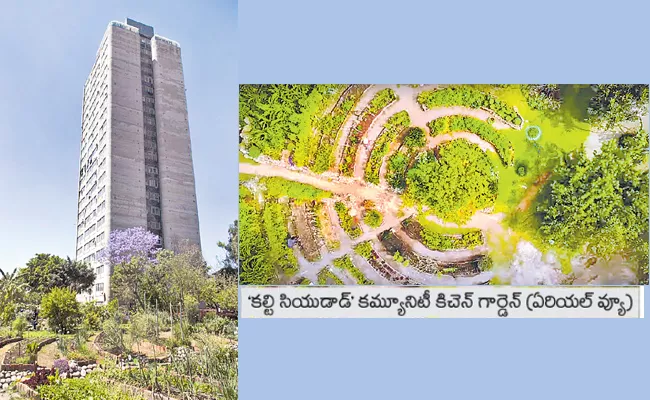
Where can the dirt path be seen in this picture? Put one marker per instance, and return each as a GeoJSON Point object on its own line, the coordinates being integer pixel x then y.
{"type": "Point", "coordinates": [531, 192]}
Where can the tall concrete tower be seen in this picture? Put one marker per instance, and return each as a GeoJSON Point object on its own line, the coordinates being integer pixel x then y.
{"type": "Point", "coordinates": [136, 158]}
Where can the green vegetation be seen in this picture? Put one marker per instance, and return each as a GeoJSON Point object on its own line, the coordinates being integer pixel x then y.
{"type": "Point", "coordinates": [398, 164]}
{"type": "Point", "coordinates": [400, 259]}
{"type": "Point", "coordinates": [347, 222]}
{"type": "Point", "coordinates": [278, 117]}
{"type": "Point", "coordinates": [61, 308]}
{"type": "Point", "coordinates": [457, 184]}
{"type": "Point", "coordinates": [467, 96]}
{"type": "Point", "coordinates": [437, 241]}
{"type": "Point", "coordinates": [601, 203]}
{"type": "Point", "coordinates": [379, 101]}
{"type": "Point", "coordinates": [542, 97]}
{"type": "Point", "coordinates": [485, 131]}
{"type": "Point", "coordinates": [613, 104]}
{"type": "Point", "coordinates": [373, 218]}
{"type": "Point", "coordinates": [304, 282]}
{"type": "Point", "coordinates": [364, 249]}
{"type": "Point", "coordinates": [345, 263]}
{"type": "Point", "coordinates": [325, 276]}
{"type": "Point", "coordinates": [330, 126]}
{"type": "Point", "coordinates": [279, 187]}
{"type": "Point", "coordinates": [415, 138]}
{"type": "Point", "coordinates": [395, 124]}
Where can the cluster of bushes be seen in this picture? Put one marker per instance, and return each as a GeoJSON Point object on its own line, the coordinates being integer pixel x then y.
{"type": "Point", "coordinates": [373, 218]}
{"type": "Point", "coordinates": [263, 236]}
{"type": "Point", "coordinates": [379, 101]}
{"type": "Point", "coordinates": [345, 263]}
{"type": "Point", "coordinates": [280, 117]}
{"type": "Point", "coordinates": [329, 128]}
{"type": "Point", "coordinates": [439, 241]}
{"type": "Point", "coordinates": [468, 97]}
{"type": "Point", "coordinates": [542, 97]}
{"type": "Point", "coordinates": [364, 249]}
{"type": "Point", "coordinates": [347, 222]}
{"type": "Point", "coordinates": [325, 276]}
{"type": "Point", "coordinates": [395, 124]}
{"type": "Point", "coordinates": [396, 172]}
{"type": "Point", "coordinates": [457, 123]}
{"type": "Point", "coordinates": [278, 187]}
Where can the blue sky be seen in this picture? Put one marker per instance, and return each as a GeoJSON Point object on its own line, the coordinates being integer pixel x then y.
{"type": "Point", "coordinates": [47, 52]}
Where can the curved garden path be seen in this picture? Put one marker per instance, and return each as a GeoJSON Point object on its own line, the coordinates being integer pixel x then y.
{"type": "Point", "coordinates": [419, 118]}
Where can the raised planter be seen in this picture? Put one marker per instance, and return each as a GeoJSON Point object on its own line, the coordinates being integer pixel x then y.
{"type": "Point", "coordinates": [23, 367]}
{"type": "Point", "coordinates": [6, 341]}
{"type": "Point", "coordinates": [27, 391]}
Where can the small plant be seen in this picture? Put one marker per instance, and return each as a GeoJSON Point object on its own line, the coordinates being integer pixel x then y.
{"type": "Point", "coordinates": [40, 378]}
{"type": "Point", "coordinates": [373, 218]}
{"type": "Point", "coordinates": [61, 365]}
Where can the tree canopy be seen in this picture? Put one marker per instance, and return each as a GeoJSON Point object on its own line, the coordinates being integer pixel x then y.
{"type": "Point", "coordinates": [601, 203]}
{"type": "Point", "coordinates": [454, 183]}
{"type": "Point", "coordinates": [613, 104]}
{"type": "Point", "coordinates": [44, 272]}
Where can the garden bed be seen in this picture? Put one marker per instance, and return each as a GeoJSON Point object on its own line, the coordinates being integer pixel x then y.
{"type": "Point", "coordinates": [394, 244]}
{"type": "Point", "coordinates": [12, 358]}
{"type": "Point", "coordinates": [327, 277]}
{"type": "Point", "coordinates": [349, 223]}
{"type": "Point", "coordinates": [7, 340]}
{"type": "Point", "coordinates": [457, 123]}
{"type": "Point", "coordinates": [303, 221]}
{"type": "Point", "coordinates": [345, 263]}
{"type": "Point", "coordinates": [324, 224]}
{"type": "Point", "coordinates": [439, 241]}
{"type": "Point", "coordinates": [392, 128]}
{"type": "Point", "coordinates": [366, 251]}
{"type": "Point", "coordinates": [466, 96]}
{"type": "Point", "coordinates": [331, 125]}
{"type": "Point", "coordinates": [381, 100]}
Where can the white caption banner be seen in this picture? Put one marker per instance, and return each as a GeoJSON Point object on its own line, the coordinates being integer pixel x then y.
{"type": "Point", "coordinates": [441, 302]}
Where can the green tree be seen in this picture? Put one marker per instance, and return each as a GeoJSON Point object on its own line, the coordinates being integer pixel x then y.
{"type": "Point", "coordinates": [12, 295]}
{"type": "Point", "coordinates": [373, 218]}
{"type": "Point", "coordinates": [44, 272]}
{"type": "Point", "coordinates": [61, 309]}
{"type": "Point", "coordinates": [455, 183]}
{"type": "Point", "coordinates": [613, 104]}
{"type": "Point", "coordinates": [230, 263]}
{"type": "Point", "coordinates": [415, 138]}
{"type": "Point", "coordinates": [601, 203]}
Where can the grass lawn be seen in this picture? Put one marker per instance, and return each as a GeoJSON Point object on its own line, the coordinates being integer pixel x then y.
{"type": "Point", "coordinates": [565, 129]}
{"type": "Point", "coordinates": [243, 159]}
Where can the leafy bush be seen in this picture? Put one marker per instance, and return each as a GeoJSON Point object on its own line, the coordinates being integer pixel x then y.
{"type": "Point", "coordinates": [19, 326]}
{"type": "Point", "coordinates": [439, 241]}
{"type": "Point", "coordinates": [396, 171]}
{"type": "Point", "coordinates": [468, 97]}
{"type": "Point", "coordinates": [364, 249]}
{"type": "Point", "coordinates": [93, 314]}
{"type": "Point", "coordinates": [383, 98]}
{"type": "Point", "coordinates": [345, 263]}
{"type": "Point", "coordinates": [61, 309]}
{"type": "Point", "coordinates": [61, 365]}
{"type": "Point", "coordinates": [40, 378]}
{"type": "Point", "coordinates": [400, 259]}
{"type": "Point", "coordinates": [415, 138]}
{"type": "Point", "coordinates": [395, 124]}
{"type": "Point", "coordinates": [542, 97]}
{"type": "Point", "coordinates": [373, 218]}
{"type": "Point", "coordinates": [218, 326]}
{"type": "Point", "coordinates": [347, 221]}
{"type": "Point", "coordinates": [457, 123]}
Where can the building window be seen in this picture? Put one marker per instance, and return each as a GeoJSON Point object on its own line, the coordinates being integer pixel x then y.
{"type": "Point", "coordinates": [154, 225]}
{"type": "Point", "coordinates": [99, 287]}
{"type": "Point", "coordinates": [100, 221]}
{"type": "Point", "coordinates": [155, 210]}
{"type": "Point", "coordinates": [152, 170]}
{"type": "Point", "coordinates": [153, 183]}
{"type": "Point", "coordinates": [100, 270]}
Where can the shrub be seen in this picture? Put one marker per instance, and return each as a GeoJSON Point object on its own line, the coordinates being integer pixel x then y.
{"type": "Point", "coordinates": [415, 138]}
{"type": "Point", "coordinates": [61, 365]}
{"type": "Point", "coordinates": [19, 326]}
{"type": "Point", "coordinates": [373, 218]}
{"type": "Point", "coordinates": [82, 389]}
{"type": "Point", "coordinates": [521, 170]}
{"type": "Point", "coordinates": [400, 259]}
{"type": "Point", "coordinates": [325, 275]}
{"type": "Point", "coordinates": [61, 309]}
{"type": "Point", "coordinates": [364, 249]}
{"type": "Point", "coordinates": [93, 315]}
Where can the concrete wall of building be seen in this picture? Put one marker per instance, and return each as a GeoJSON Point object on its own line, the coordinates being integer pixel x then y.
{"type": "Point", "coordinates": [127, 187]}
{"type": "Point", "coordinates": [179, 213]}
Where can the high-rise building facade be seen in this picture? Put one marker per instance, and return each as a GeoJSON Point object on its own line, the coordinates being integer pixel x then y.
{"type": "Point", "coordinates": [136, 161]}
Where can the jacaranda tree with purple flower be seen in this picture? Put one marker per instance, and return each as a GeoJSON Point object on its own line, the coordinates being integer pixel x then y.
{"type": "Point", "coordinates": [125, 244]}
{"type": "Point", "coordinates": [129, 252]}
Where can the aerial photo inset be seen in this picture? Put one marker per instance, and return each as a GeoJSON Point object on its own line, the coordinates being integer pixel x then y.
{"type": "Point", "coordinates": [443, 184]}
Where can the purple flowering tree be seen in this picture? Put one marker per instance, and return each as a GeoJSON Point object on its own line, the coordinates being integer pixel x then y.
{"type": "Point", "coordinates": [125, 244]}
